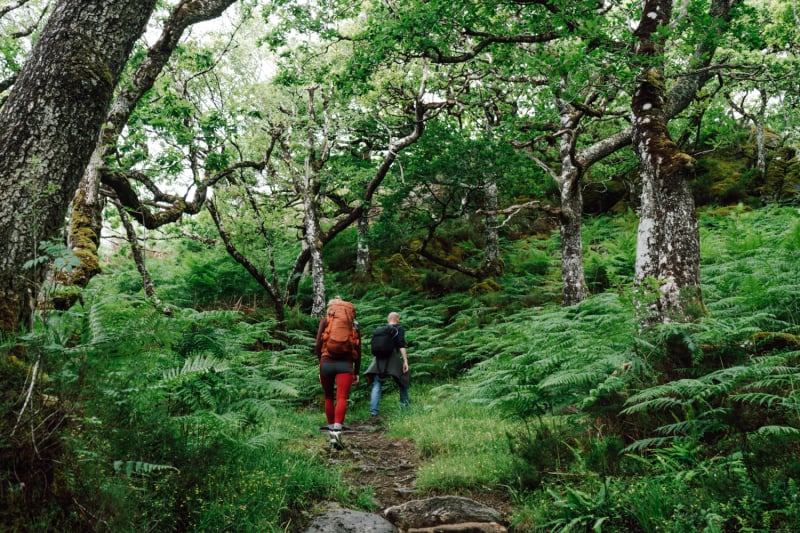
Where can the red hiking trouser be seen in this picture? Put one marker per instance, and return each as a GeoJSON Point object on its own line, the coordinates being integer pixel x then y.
{"type": "Point", "coordinates": [336, 386]}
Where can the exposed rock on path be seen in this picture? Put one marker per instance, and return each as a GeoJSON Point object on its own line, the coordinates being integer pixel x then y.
{"type": "Point", "coordinates": [389, 467]}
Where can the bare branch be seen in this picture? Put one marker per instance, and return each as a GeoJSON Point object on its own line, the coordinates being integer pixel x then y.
{"type": "Point", "coordinates": [178, 205]}
{"type": "Point", "coordinates": [514, 209]}
{"type": "Point", "coordinates": [5, 10]}
{"type": "Point", "coordinates": [199, 238]}
{"type": "Point", "coordinates": [252, 269]}
{"type": "Point", "coordinates": [25, 32]}
{"type": "Point", "coordinates": [138, 253]}
{"type": "Point", "coordinates": [437, 56]}
{"type": "Point", "coordinates": [8, 82]}
{"type": "Point", "coordinates": [185, 14]}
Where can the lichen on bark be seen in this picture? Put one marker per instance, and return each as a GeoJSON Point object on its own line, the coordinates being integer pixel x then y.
{"type": "Point", "coordinates": [668, 241]}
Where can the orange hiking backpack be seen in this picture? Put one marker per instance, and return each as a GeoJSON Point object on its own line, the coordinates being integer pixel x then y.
{"type": "Point", "coordinates": [340, 338]}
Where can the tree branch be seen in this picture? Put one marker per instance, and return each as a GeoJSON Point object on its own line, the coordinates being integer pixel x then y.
{"type": "Point", "coordinates": [119, 182]}
{"type": "Point", "coordinates": [514, 209]}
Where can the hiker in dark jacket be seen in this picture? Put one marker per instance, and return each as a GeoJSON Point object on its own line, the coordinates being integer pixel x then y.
{"type": "Point", "coordinates": [337, 374]}
{"type": "Point", "coordinates": [395, 367]}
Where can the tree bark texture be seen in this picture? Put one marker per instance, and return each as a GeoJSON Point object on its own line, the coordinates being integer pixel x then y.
{"type": "Point", "coordinates": [362, 252]}
{"type": "Point", "coordinates": [49, 126]}
{"type": "Point", "coordinates": [492, 262]}
{"type": "Point", "coordinates": [668, 242]}
{"type": "Point", "coordinates": [314, 243]}
{"type": "Point", "coordinates": [573, 277]}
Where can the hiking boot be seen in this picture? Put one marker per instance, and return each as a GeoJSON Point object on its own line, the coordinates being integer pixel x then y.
{"type": "Point", "coordinates": [335, 438]}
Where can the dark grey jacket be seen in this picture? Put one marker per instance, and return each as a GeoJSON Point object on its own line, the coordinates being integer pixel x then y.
{"type": "Point", "coordinates": [392, 367]}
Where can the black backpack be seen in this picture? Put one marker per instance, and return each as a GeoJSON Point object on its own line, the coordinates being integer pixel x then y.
{"type": "Point", "coordinates": [383, 341]}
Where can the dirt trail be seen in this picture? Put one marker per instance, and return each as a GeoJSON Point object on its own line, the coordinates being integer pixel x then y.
{"type": "Point", "coordinates": [389, 466]}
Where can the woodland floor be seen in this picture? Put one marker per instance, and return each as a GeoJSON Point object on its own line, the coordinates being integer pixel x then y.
{"type": "Point", "coordinates": [389, 467]}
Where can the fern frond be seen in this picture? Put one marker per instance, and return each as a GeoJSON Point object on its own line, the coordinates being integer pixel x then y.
{"type": "Point", "coordinates": [682, 428]}
{"type": "Point", "coordinates": [706, 421]}
{"type": "Point", "coordinates": [279, 388]}
{"type": "Point", "coordinates": [584, 378]}
{"type": "Point", "coordinates": [779, 431]}
{"type": "Point", "coordinates": [758, 398]}
{"type": "Point", "coordinates": [262, 441]}
{"type": "Point", "coordinates": [197, 364]}
{"type": "Point", "coordinates": [258, 408]}
{"type": "Point", "coordinates": [232, 420]}
{"type": "Point", "coordinates": [660, 403]}
{"type": "Point", "coordinates": [140, 467]}
{"type": "Point", "coordinates": [651, 442]}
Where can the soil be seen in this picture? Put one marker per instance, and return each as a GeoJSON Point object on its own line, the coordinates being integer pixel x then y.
{"type": "Point", "coordinates": [389, 467]}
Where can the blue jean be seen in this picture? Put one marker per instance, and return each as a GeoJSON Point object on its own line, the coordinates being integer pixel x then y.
{"type": "Point", "coordinates": [377, 391]}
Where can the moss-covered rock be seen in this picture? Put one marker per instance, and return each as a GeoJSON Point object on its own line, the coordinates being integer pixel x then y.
{"type": "Point", "coordinates": [782, 179]}
{"type": "Point", "coordinates": [396, 271]}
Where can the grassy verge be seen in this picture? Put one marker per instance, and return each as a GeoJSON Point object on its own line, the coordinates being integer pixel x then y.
{"type": "Point", "coordinates": [463, 444]}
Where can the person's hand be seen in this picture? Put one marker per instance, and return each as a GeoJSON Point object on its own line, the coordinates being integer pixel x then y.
{"type": "Point", "coordinates": [356, 379]}
{"type": "Point", "coordinates": [405, 367]}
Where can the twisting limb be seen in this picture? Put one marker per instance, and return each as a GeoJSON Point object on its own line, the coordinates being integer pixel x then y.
{"type": "Point", "coordinates": [252, 269]}
{"type": "Point", "coordinates": [514, 209]}
{"type": "Point", "coordinates": [89, 201]}
{"type": "Point", "coordinates": [138, 253]}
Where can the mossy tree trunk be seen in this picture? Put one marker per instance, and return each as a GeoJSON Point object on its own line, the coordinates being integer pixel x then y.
{"type": "Point", "coordinates": [49, 126]}
{"type": "Point", "coordinates": [668, 244]}
{"type": "Point", "coordinates": [86, 219]}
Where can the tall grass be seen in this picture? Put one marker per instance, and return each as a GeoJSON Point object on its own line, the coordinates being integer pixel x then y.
{"type": "Point", "coordinates": [464, 445]}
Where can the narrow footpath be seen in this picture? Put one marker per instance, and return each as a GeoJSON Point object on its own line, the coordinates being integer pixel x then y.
{"type": "Point", "coordinates": [389, 466]}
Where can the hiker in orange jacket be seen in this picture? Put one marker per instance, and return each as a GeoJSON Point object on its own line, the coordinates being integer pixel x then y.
{"type": "Point", "coordinates": [339, 363]}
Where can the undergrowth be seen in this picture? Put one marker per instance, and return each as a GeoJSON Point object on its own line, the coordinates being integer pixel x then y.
{"type": "Point", "coordinates": [196, 419]}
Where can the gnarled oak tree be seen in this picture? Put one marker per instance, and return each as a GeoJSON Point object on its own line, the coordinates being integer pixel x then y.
{"type": "Point", "coordinates": [48, 128]}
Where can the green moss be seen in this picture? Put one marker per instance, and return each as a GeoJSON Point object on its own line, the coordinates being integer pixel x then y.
{"type": "Point", "coordinates": [782, 179]}
{"type": "Point", "coordinates": [397, 272]}
{"type": "Point", "coordinates": [485, 287]}
{"type": "Point", "coordinates": [721, 179]}
{"type": "Point", "coordinates": [768, 341]}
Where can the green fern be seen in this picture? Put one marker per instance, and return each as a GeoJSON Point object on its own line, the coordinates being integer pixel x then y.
{"type": "Point", "coordinates": [782, 431]}
{"type": "Point", "coordinates": [198, 364]}
{"type": "Point", "coordinates": [555, 357]}
{"type": "Point", "coordinates": [140, 467]}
